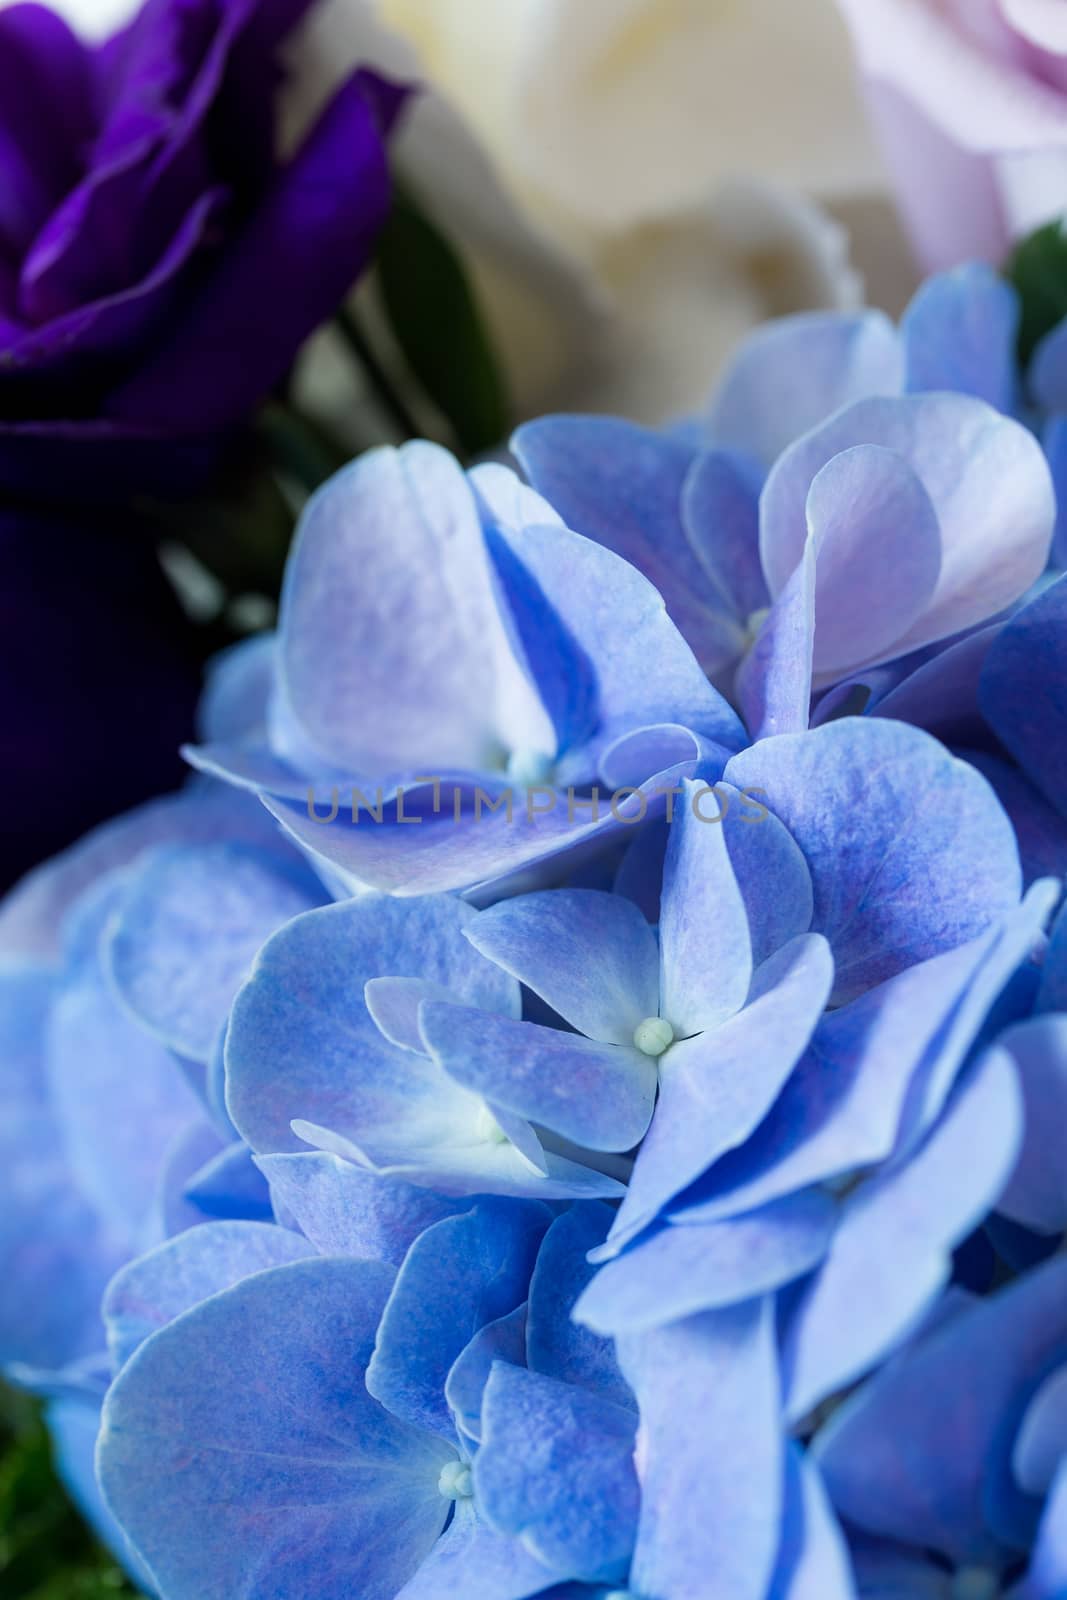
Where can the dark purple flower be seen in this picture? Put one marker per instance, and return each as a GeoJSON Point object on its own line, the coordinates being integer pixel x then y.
{"type": "Point", "coordinates": [158, 267]}
{"type": "Point", "coordinates": [93, 652]}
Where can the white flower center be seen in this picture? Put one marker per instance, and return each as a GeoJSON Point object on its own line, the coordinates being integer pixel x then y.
{"type": "Point", "coordinates": [489, 1129]}
{"type": "Point", "coordinates": [529, 767]}
{"type": "Point", "coordinates": [455, 1481]}
{"type": "Point", "coordinates": [653, 1036]}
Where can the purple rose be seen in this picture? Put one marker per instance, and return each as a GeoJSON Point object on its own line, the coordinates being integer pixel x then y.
{"type": "Point", "coordinates": [158, 267]}
{"type": "Point", "coordinates": [970, 100]}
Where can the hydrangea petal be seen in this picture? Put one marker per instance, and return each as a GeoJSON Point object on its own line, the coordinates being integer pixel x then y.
{"type": "Point", "coordinates": [720, 516]}
{"type": "Point", "coordinates": [621, 485]}
{"type": "Point", "coordinates": [1047, 1573]}
{"type": "Point", "coordinates": [791, 374]}
{"type": "Point", "coordinates": [910, 1455]}
{"type": "Point", "coordinates": [471, 1558]}
{"type": "Point", "coordinates": [1023, 690]}
{"type": "Point", "coordinates": [877, 556]}
{"type": "Point", "coordinates": [959, 333]}
{"type": "Point", "coordinates": [597, 1095]}
{"type": "Point", "coordinates": [814, 1562]}
{"type": "Point", "coordinates": [908, 849]}
{"type": "Point", "coordinates": [716, 1089]}
{"type": "Point", "coordinates": [555, 1469]}
{"type": "Point", "coordinates": [50, 1236]}
{"type": "Point", "coordinates": [774, 681]}
{"type": "Point", "coordinates": [151, 1291]}
{"type": "Point", "coordinates": [1041, 1443]}
{"type": "Point", "coordinates": [679, 1271]}
{"type": "Point", "coordinates": [696, 1429]}
{"type": "Point", "coordinates": [345, 1210]}
{"type": "Point", "coordinates": [1036, 1196]}
{"type": "Point", "coordinates": [705, 947]}
{"type": "Point", "coordinates": [276, 1472]}
{"type": "Point", "coordinates": [302, 1044]}
{"type": "Point", "coordinates": [892, 1253]}
{"type": "Point", "coordinates": [983, 473]}
{"type": "Point", "coordinates": [556, 1343]}
{"type": "Point", "coordinates": [186, 933]}
{"type": "Point", "coordinates": [875, 1075]}
{"type": "Point", "coordinates": [501, 1340]}
{"type": "Point", "coordinates": [389, 615]}
{"type": "Point", "coordinates": [591, 956]}
{"type": "Point", "coordinates": [460, 1274]}
{"type": "Point", "coordinates": [619, 622]}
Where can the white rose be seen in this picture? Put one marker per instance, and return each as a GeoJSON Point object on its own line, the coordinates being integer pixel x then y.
{"type": "Point", "coordinates": [625, 177]}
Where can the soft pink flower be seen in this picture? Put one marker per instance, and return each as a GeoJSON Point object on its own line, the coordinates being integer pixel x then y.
{"type": "Point", "coordinates": [970, 100]}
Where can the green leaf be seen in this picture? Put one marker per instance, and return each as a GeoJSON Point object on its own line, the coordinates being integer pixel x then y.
{"type": "Point", "coordinates": [242, 527]}
{"type": "Point", "coordinates": [1038, 269]}
{"type": "Point", "coordinates": [435, 319]}
{"type": "Point", "coordinates": [46, 1551]}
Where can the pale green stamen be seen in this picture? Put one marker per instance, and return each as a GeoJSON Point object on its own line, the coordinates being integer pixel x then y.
{"type": "Point", "coordinates": [529, 767]}
{"type": "Point", "coordinates": [653, 1035]}
{"type": "Point", "coordinates": [489, 1128]}
{"type": "Point", "coordinates": [455, 1481]}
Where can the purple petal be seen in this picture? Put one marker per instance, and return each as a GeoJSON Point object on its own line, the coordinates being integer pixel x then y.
{"type": "Point", "coordinates": [326, 208]}
{"type": "Point", "coordinates": [982, 472]}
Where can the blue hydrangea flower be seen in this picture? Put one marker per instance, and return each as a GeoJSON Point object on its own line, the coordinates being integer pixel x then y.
{"type": "Point", "coordinates": [115, 1134]}
{"type": "Point", "coordinates": [324, 1049]}
{"type": "Point", "coordinates": [427, 1420]}
{"type": "Point", "coordinates": [953, 1455]}
{"type": "Point", "coordinates": [855, 496]}
{"type": "Point", "coordinates": [895, 1136]}
{"type": "Point", "coordinates": [442, 634]}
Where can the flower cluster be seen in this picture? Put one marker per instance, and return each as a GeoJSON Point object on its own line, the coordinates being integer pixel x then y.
{"type": "Point", "coordinates": [518, 1173]}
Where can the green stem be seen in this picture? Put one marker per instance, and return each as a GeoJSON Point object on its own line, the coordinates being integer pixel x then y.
{"type": "Point", "coordinates": [382, 384]}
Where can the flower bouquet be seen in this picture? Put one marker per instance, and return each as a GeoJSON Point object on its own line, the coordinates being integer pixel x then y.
{"type": "Point", "coordinates": [568, 1097]}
